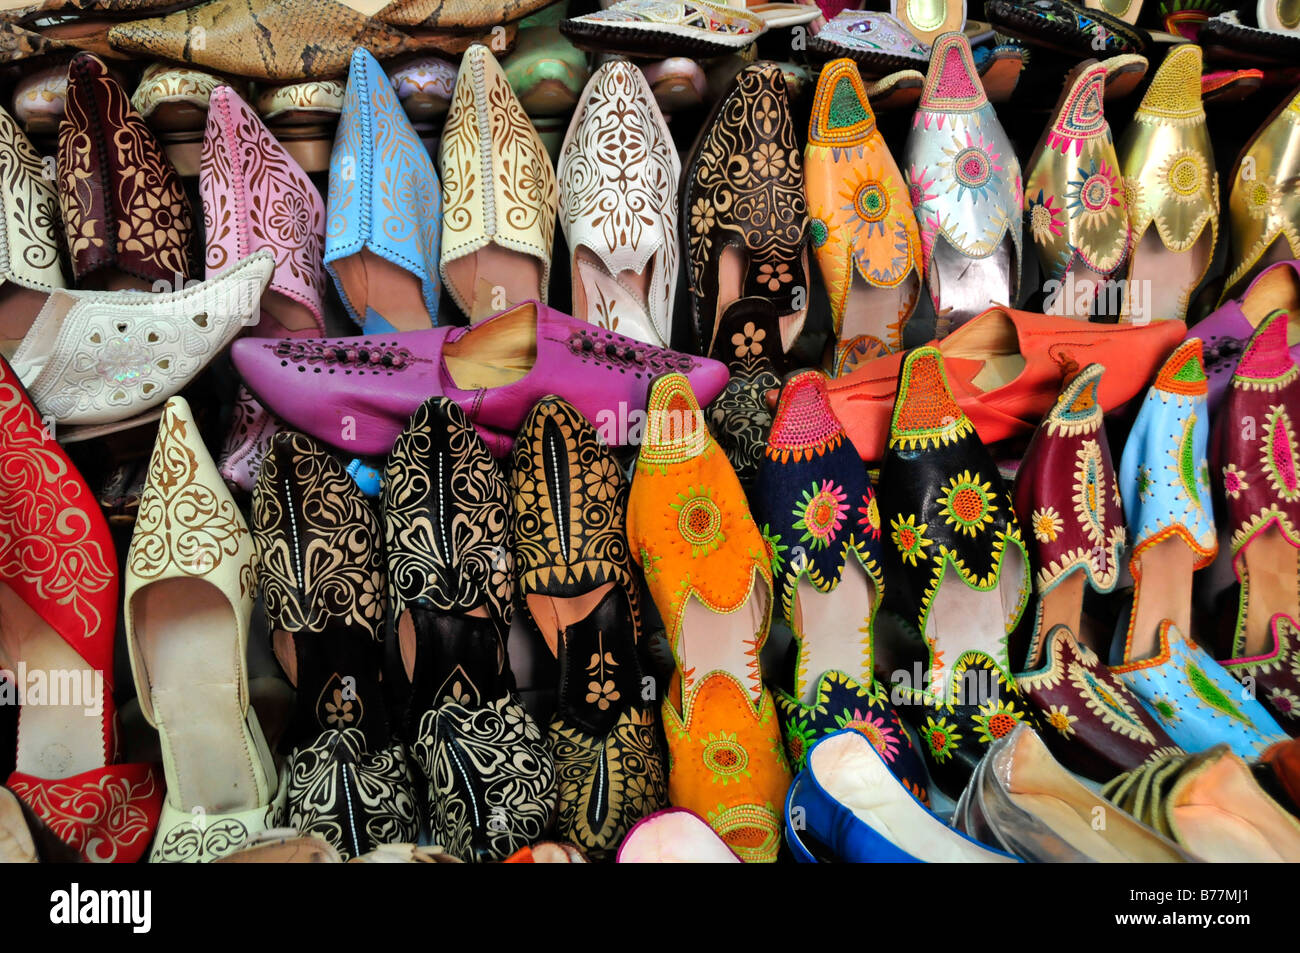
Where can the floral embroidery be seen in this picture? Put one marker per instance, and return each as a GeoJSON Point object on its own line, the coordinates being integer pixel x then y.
{"type": "Point", "coordinates": [968, 503]}
{"type": "Point", "coordinates": [919, 183]}
{"type": "Point", "coordinates": [775, 548]}
{"type": "Point", "coordinates": [1111, 708]}
{"type": "Point", "coordinates": [996, 719]}
{"type": "Point", "coordinates": [874, 729]}
{"type": "Point", "coordinates": [1047, 524]}
{"type": "Point", "coordinates": [725, 757]}
{"type": "Point", "coordinates": [774, 277]}
{"type": "Point", "coordinates": [699, 520]}
{"type": "Point", "coordinates": [1095, 195]}
{"type": "Point", "coordinates": [1045, 219]}
{"type": "Point", "coordinates": [1059, 717]}
{"type": "Point", "coordinates": [338, 712]}
{"type": "Point", "coordinates": [1284, 702]}
{"type": "Point", "coordinates": [1144, 483]}
{"type": "Point", "coordinates": [1234, 481]}
{"type": "Point", "coordinates": [1166, 708]}
{"type": "Point", "coordinates": [749, 340]}
{"type": "Point", "coordinates": [910, 538]}
{"type": "Point", "coordinates": [820, 514]}
{"type": "Point", "coordinates": [975, 167]}
{"type": "Point", "coordinates": [869, 517]}
{"type": "Point", "coordinates": [940, 737]}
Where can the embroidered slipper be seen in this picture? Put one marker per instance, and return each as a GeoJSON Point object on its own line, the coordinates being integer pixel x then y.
{"type": "Point", "coordinates": [1227, 330]}
{"type": "Point", "coordinates": [1067, 499]}
{"type": "Point", "coordinates": [618, 206]}
{"type": "Point", "coordinates": [577, 590]}
{"type": "Point", "coordinates": [1123, 74]}
{"type": "Point", "coordinates": [820, 518]}
{"type": "Point", "coordinates": [964, 183]}
{"type": "Point", "coordinates": [745, 222]}
{"type": "Point", "coordinates": [749, 342]}
{"type": "Point", "coordinates": [59, 598]}
{"type": "Point", "coordinates": [1126, 10]}
{"type": "Point", "coordinates": [1264, 202]}
{"type": "Point", "coordinates": [1230, 85]}
{"type": "Point", "coordinates": [709, 572]}
{"type": "Point", "coordinates": [1066, 27]}
{"type": "Point", "coordinates": [125, 212]}
{"type": "Point", "coordinates": [1195, 700]}
{"type": "Point", "coordinates": [876, 41]}
{"type": "Point", "coordinates": [927, 20]}
{"type": "Point", "coordinates": [1256, 467]}
{"type": "Point", "coordinates": [1236, 36]}
{"type": "Point", "coordinates": [1164, 479]}
{"type": "Point", "coordinates": [962, 571]}
{"type": "Point", "coordinates": [424, 87]}
{"type": "Point", "coordinates": [1211, 806]}
{"type": "Point", "coordinates": [346, 779]}
{"type": "Point", "coordinates": [188, 594]}
{"type": "Point", "coordinates": [661, 28]}
{"type": "Point", "coordinates": [1074, 198]}
{"type": "Point", "coordinates": [382, 251]}
{"type": "Point", "coordinates": [29, 254]}
{"type": "Point", "coordinates": [501, 195]}
{"type": "Point", "coordinates": [489, 776]}
{"type": "Point", "coordinates": [861, 221]}
{"type": "Point", "coordinates": [1167, 162]}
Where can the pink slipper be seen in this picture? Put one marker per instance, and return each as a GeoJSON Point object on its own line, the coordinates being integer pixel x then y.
{"type": "Point", "coordinates": [256, 196]}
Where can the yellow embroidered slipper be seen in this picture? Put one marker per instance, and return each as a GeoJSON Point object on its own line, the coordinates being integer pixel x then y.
{"type": "Point", "coordinates": [861, 221]}
{"type": "Point", "coordinates": [1264, 204]}
{"type": "Point", "coordinates": [1168, 165]}
{"type": "Point", "coordinates": [1074, 198]}
{"type": "Point", "coordinates": [500, 195]}
{"type": "Point", "coordinates": [708, 570]}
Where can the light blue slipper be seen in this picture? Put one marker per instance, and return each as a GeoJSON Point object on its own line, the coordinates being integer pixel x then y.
{"type": "Point", "coordinates": [384, 212]}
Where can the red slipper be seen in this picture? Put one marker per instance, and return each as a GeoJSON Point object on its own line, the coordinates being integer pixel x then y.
{"type": "Point", "coordinates": [58, 603]}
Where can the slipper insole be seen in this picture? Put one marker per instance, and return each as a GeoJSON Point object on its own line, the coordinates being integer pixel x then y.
{"type": "Point", "coordinates": [1063, 605]}
{"type": "Point", "coordinates": [494, 279]}
{"type": "Point", "coordinates": [449, 655]}
{"type": "Point", "coordinates": [372, 283]}
{"type": "Point", "coordinates": [336, 673]}
{"type": "Point", "coordinates": [54, 740]}
{"type": "Point", "coordinates": [1272, 573]}
{"type": "Point", "coordinates": [964, 287]}
{"type": "Point", "coordinates": [714, 642]}
{"type": "Point", "coordinates": [1164, 591]}
{"type": "Point", "coordinates": [1165, 278]}
{"type": "Point", "coordinates": [1278, 289]}
{"type": "Point", "coordinates": [879, 312]}
{"type": "Point", "coordinates": [832, 626]}
{"type": "Point", "coordinates": [616, 302]}
{"type": "Point", "coordinates": [19, 307]}
{"type": "Point", "coordinates": [963, 619]}
{"type": "Point", "coordinates": [493, 355]}
{"type": "Point", "coordinates": [185, 631]}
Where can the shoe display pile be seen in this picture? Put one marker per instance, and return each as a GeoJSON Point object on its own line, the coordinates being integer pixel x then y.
{"type": "Point", "coordinates": [586, 431]}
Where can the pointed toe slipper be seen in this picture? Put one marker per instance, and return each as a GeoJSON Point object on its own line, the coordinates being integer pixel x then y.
{"type": "Point", "coordinates": [619, 154]}
{"type": "Point", "coordinates": [1167, 161]}
{"type": "Point", "coordinates": [384, 210]}
{"type": "Point", "coordinates": [964, 182]}
{"type": "Point", "coordinates": [189, 592]}
{"type": "Point", "coordinates": [577, 589]}
{"type": "Point", "coordinates": [1074, 199]}
{"type": "Point", "coordinates": [861, 222]}
{"type": "Point", "coordinates": [125, 211]}
{"type": "Point", "coordinates": [501, 195]}
{"type": "Point", "coordinates": [255, 196]}
{"type": "Point", "coordinates": [29, 253]}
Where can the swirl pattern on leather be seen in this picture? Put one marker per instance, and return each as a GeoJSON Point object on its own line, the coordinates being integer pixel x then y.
{"type": "Point", "coordinates": [48, 535]}
{"type": "Point", "coordinates": [570, 507]}
{"type": "Point", "coordinates": [619, 191]}
{"type": "Point", "coordinates": [29, 245]}
{"type": "Point", "coordinates": [447, 517]}
{"type": "Point", "coordinates": [746, 183]}
{"type": "Point", "coordinates": [607, 784]}
{"type": "Point", "coordinates": [123, 204]}
{"type": "Point", "coordinates": [184, 526]}
{"type": "Point", "coordinates": [107, 815]}
{"type": "Point", "coordinates": [491, 778]}
{"type": "Point", "coordinates": [246, 169]}
{"type": "Point", "coordinates": [201, 842]}
{"type": "Point", "coordinates": [354, 799]}
{"type": "Point", "coordinates": [315, 536]}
